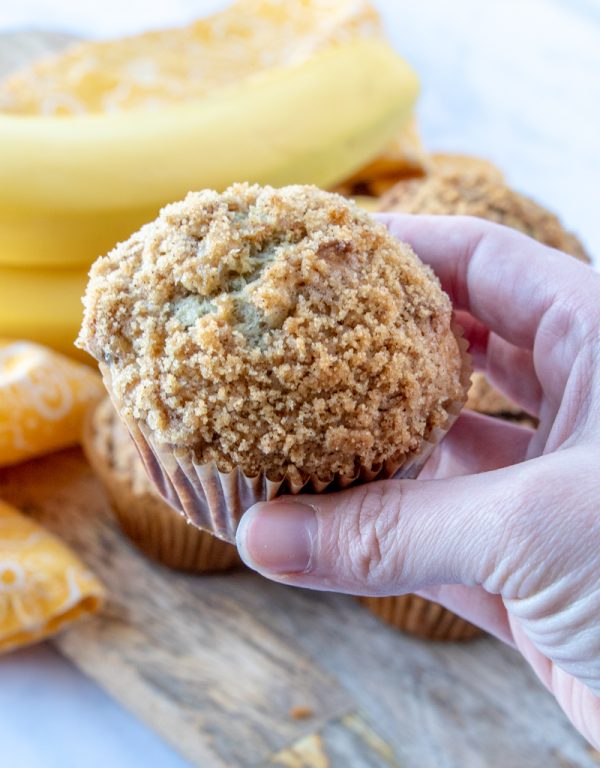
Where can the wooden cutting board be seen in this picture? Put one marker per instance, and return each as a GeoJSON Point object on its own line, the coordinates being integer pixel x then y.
{"type": "Point", "coordinates": [222, 666]}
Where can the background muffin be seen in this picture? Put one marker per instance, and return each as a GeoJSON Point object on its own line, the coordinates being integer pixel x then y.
{"type": "Point", "coordinates": [146, 518]}
{"type": "Point", "coordinates": [460, 185]}
{"type": "Point", "coordinates": [465, 188]}
{"type": "Point", "coordinates": [422, 618]}
{"type": "Point", "coordinates": [275, 334]}
{"type": "Point", "coordinates": [452, 162]}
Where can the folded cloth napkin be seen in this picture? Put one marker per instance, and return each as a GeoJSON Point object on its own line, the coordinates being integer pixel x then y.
{"type": "Point", "coordinates": [43, 399]}
{"type": "Point", "coordinates": [43, 585]}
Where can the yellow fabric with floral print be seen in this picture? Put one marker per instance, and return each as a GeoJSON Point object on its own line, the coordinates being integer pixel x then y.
{"type": "Point", "coordinates": [43, 585]}
{"type": "Point", "coordinates": [43, 399]}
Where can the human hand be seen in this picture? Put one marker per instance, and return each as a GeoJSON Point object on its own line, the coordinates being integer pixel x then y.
{"type": "Point", "coordinates": [503, 526]}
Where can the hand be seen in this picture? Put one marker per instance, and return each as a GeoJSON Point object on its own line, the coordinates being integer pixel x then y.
{"type": "Point", "coordinates": [503, 526]}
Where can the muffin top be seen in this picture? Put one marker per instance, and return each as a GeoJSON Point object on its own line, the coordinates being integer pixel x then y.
{"type": "Point", "coordinates": [459, 188]}
{"type": "Point", "coordinates": [274, 329]}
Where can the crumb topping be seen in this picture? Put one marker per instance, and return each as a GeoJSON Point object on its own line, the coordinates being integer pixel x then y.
{"type": "Point", "coordinates": [470, 191]}
{"type": "Point", "coordinates": [274, 329]}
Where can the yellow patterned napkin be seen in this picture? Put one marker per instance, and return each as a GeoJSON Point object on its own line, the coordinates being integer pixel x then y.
{"type": "Point", "coordinates": [43, 585]}
{"type": "Point", "coordinates": [43, 399]}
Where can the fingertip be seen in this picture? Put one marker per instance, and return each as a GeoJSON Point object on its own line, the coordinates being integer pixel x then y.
{"type": "Point", "coordinates": [277, 538]}
{"type": "Point", "coordinates": [242, 535]}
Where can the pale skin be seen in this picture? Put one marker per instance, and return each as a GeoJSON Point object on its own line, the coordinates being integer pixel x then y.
{"type": "Point", "coordinates": [503, 525]}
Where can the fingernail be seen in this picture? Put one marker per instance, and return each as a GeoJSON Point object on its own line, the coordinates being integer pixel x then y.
{"type": "Point", "coordinates": [278, 537]}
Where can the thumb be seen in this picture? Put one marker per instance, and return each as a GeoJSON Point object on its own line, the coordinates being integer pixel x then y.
{"type": "Point", "coordinates": [391, 536]}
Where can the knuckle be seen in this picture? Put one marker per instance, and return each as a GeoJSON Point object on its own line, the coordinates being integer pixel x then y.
{"type": "Point", "coordinates": [373, 535]}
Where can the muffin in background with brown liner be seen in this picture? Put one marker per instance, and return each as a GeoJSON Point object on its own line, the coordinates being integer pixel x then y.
{"type": "Point", "coordinates": [264, 341]}
{"type": "Point", "coordinates": [469, 186]}
{"type": "Point", "coordinates": [421, 618]}
{"type": "Point", "coordinates": [157, 530]}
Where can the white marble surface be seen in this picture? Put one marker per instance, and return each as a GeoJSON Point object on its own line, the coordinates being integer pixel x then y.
{"type": "Point", "coordinates": [517, 81]}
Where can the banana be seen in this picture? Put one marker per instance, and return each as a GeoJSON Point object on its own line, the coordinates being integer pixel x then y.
{"type": "Point", "coordinates": [367, 203]}
{"type": "Point", "coordinates": [43, 305]}
{"type": "Point", "coordinates": [71, 187]}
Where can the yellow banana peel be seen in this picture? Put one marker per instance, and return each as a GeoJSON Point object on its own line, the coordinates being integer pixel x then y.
{"type": "Point", "coordinates": [43, 305]}
{"type": "Point", "coordinates": [71, 187]}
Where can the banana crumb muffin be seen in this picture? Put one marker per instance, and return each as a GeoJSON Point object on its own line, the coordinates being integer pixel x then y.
{"type": "Point", "coordinates": [278, 331]}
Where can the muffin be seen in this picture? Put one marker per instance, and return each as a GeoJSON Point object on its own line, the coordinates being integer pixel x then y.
{"type": "Point", "coordinates": [420, 617]}
{"type": "Point", "coordinates": [461, 188]}
{"type": "Point", "coordinates": [452, 162]}
{"type": "Point", "coordinates": [159, 531]}
{"type": "Point", "coordinates": [368, 186]}
{"type": "Point", "coordinates": [265, 341]}
{"type": "Point", "coordinates": [460, 185]}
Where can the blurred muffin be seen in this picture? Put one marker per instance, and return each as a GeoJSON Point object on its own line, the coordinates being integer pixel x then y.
{"type": "Point", "coordinates": [420, 617]}
{"type": "Point", "coordinates": [268, 340]}
{"type": "Point", "coordinates": [460, 185]}
{"type": "Point", "coordinates": [148, 521]}
{"type": "Point", "coordinates": [376, 179]}
{"type": "Point", "coordinates": [452, 162]}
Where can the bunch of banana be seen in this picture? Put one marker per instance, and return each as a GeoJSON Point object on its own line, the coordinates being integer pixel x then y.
{"type": "Point", "coordinates": [74, 181]}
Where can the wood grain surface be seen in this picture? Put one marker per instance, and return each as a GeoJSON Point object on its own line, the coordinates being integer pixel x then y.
{"type": "Point", "coordinates": [235, 671]}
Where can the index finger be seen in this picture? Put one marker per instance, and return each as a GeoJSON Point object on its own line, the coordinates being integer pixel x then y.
{"type": "Point", "coordinates": [506, 280]}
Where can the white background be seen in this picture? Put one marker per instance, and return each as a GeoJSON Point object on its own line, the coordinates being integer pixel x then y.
{"type": "Point", "coordinates": [517, 81]}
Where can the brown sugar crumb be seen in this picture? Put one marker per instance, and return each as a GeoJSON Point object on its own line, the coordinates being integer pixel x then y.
{"type": "Point", "coordinates": [274, 329]}
{"type": "Point", "coordinates": [467, 190]}
{"type": "Point", "coordinates": [301, 713]}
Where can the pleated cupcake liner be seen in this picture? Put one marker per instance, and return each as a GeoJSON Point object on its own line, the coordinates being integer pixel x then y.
{"type": "Point", "coordinates": [215, 501]}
